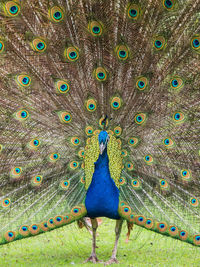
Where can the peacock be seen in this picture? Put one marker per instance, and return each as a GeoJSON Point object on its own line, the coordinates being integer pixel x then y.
{"type": "Point", "coordinates": [100, 116]}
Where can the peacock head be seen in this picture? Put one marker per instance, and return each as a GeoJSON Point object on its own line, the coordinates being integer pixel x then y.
{"type": "Point", "coordinates": [103, 141]}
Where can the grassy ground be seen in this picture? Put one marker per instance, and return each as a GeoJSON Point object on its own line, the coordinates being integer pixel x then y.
{"type": "Point", "coordinates": [70, 246]}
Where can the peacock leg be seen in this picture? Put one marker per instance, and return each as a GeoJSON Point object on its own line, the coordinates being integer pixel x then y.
{"type": "Point", "coordinates": [93, 257]}
{"type": "Point", "coordinates": [118, 229]}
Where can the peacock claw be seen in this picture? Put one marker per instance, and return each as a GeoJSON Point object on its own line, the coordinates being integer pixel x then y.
{"type": "Point", "coordinates": [93, 259]}
{"type": "Point", "coordinates": [111, 261]}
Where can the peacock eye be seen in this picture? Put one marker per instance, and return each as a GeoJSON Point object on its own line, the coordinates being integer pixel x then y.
{"type": "Point", "coordinates": [159, 43]}
{"type": "Point", "coordinates": [62, 86]}
{"type": "Point", "coordinates": [100, 74]}
{"type": "Point", "coordinates": [186, 175]}
{"type": "Point", "coordinates": [37, 180]}
{"type": "Point", "coordinates": [169, 4]}
{"type": "Point", "coordinates": [116, 103]}
{"type": "Point", "coordinates": [54, 157]}
{"type": "Point", "coordinates": [176, 83]}
{"type": "Point", "coordinates": [122, 52]}
{"type": "Point", "coordinates": [133, 12]}
{"type": "Point", "coordinates": [64, 184]}
{"type": "Point", "coordinates": [142, 83]}
{"type": "Point", "coordinates": [118, 131]}
{"type": "Point", "coordinates": [148, 159]}
{"type": "Point", "coordinates": [21, 115]}
{"type": "Point", "coordinates": [75, 141]}
{"type": "Point", "coordinates": [1, 46]}
{"type": "Point", "coordinates": [12, 9]}
{"type": "Point", "coordinates": [168, 142]}
{"type": "Point", "coordinates": [65, 117]}
{"type": "Point", "coordinates": [95, 28]}
{"type": "Point", "coordinates": [140, 118]}
{"type": "Point", "coordinates": [91, 105]}
{"type": "Point", "coordinates": [74, 165]}
{"type": "Point", "coordinates": [71, 54]}
{"type": "Point", "coordinates": [195, 43]}
{"type": "Point", "coordinates": [56, 14]}
{"type": "Point", "coordinates": [38, 45]}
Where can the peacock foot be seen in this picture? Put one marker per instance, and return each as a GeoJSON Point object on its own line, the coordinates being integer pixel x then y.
{"type": "Point", "coordinates": [93, 259]}
{"type": "Point", "coordinates": [111, 261]}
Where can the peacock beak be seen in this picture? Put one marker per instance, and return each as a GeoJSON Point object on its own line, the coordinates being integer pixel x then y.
{"type": "Point", "coordinates": [102, 146]}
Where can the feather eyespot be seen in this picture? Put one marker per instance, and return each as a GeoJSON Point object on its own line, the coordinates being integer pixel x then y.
{"type": "Point", "coordinates": [6, 203]}
{"type": "Point", "coordinates": [178, 117]}
{"type": "Point", "coordinates": [83, 180]}
{"type": "Point", "coordinates": [12, 9]}
{"type": "Point", "coordinates": [38, 45]}
{"type": "Point", "coordinates": [196, 240]}
{"type": "Point", "coordinates": [62, 86]}
{"type": "Point", "coordinates": [148, 159]}
{"type": "Point", "coordinates": [2, 46]}
{"type": "Point", "coordinates": [125, 210]}
{"type": "Point", "coordinates": [54, 157]}
{"type": "Point", "coordinates": [159, 42]}
{"type": "Point", "coordinates": [22, 115]}
{"type": "Point", "coordinates": [34, 229]}
{"type": "Point", "coordinates": [133, 12]}
{"type": "Point", "coordinates": [91, 105]}
{"type": "Point", "coordinates": [140, 220]}
{"type": "Point", "coordinates": [168, 142]}
{"type": "Point", "coordinates": [149, 223]}
{"type": "Point", "coordinates": [140, 118]}
{"type": "Point", "coordinates": [65, 117]}
{"type": "Point", "coordinates": [129, 166]}
{"type": "Point", "coordinates": [195, 43]}
{"type": "Point", "coordinates": [37, 180]}
{"type": "Point", "coordinates": [122, 52]}
{"type": "Point", "coordinates": [100, 74]}
{"type": "Point", "coordinates": [74, 165]}
{"type": "Point", "coordinates": [58, 220]}
{"type": "Point", "coordinates": [176, 83]}
{"type": "Point", "coordinates": [95, 28]}
{"type": "Point", "coordinates": [56, 14]}
{"type": "Point", "coordinates": [16, 172]}
{"type": "Point", "coordinates": [169, 4]}
{"type": "Point", "coordinates": [81, 153]}
{"type": "Point", "coordinates": [9, 236]}
{"type": "Point", "coordinates": [136, 184]}
{"type": "Point", "coordinates": [71, 54]}
{"type": "Point", "coordinates": [164, 184]}
{"type": "Point", "coordinates": [124, 153]}
{"type": "Point", "coordinates": [24, 230]}
{"type": "Point", "coordinates": [75, 141]}
{"type": "Point", "coordinates": [89, 130]}
{"type": "Point", "coordinates": [142, 83]}
{"type": "Point", "coordinates": [133, 141]}
{"type": "Point", "coordinates": [162, 227]}
{"type": "Point", "coordinates": [118, 131]}
{"type": "Point", "coordinates": [186, 175]}
{"type": "Point", "coordinates": [116, 103]}
{"type": "Point", "coordinates": [173, 230]}
{"type": "Point", "coordinates": [183, 235]}
{"type": "Point", "coordinates": [194, 202]}
{"type": "Point", "coordinates": [122, 181]}
{"type": "Point", "coordinates": [65, 184]}
{"type": "Point", "coordinates": [34, 144]}
{"type": "Point", "coordinates": [23, 80]}
{"type": "Point", "coordinates": [50, 223]}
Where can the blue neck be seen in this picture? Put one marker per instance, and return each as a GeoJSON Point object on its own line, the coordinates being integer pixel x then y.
{"type": "Point", "coordinates": [102, 198]}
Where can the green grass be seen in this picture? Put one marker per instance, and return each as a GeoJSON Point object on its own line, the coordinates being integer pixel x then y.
{"type": "Point", "coordinates": [70, 246]}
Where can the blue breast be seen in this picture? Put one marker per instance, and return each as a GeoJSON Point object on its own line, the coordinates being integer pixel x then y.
{"type": "Point", "coordinates": [102, 198]}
